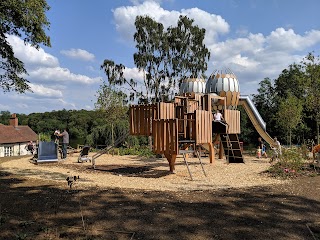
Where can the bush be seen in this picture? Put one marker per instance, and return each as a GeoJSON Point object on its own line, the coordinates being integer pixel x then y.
{"type": "Point", "coordinates": [291, 163]}
{"type": "Point", "coordinates": [142, 151]}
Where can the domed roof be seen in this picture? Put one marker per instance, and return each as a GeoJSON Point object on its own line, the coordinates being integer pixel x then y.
{"type": "Point", "coordinates": [225, 84]}
{"type": "Point", "coordinates": [195, 85]}
{"type": "Point", "coordinates": [219, 81]}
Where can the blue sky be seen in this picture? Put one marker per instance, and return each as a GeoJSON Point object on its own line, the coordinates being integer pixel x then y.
{"type": "Point", "coordinates": [254, 38]}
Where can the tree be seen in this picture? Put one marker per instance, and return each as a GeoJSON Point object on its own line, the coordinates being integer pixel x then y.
{"type": "Point", "coordinates": [266, 101]}
{"type": "Point", "coordinates": [289, 114]}
{"type": "Point", "coordinates": [110, 104]}
{"type": "Point", "coordinates": [25, 19]}
{"type": "Point", "coordinates": [311, 65]}
{"type": "Point", "coordinates": [291, 80]}
{"type": "Point", "coordinates": [188, 54]}
{"type": "Point", "coordinates": [151, 56]}
{"type": "Point", "coordinates": [165, 57]}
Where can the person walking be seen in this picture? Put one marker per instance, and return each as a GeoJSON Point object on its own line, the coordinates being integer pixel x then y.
{"type": "Point", "coordinates": [65, 142]}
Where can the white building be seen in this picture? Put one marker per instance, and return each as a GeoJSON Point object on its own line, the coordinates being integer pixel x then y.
{"type": "Point", "coordinates": [14, 138]}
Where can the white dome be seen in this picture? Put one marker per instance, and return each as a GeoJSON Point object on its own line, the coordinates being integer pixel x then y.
{"type": "Point", "coordinates": [195, 85]}
{"type": "Point", "coordinates": [225, 84]}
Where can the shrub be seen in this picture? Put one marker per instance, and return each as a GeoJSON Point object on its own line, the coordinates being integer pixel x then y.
{"type": "Point", "coordinates": [290, 164]}
{"type": "Point", "coordinates": [142, 151]}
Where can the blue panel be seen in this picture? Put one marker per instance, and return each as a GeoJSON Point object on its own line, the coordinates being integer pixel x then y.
{"type": "Point", "coordinates": [47, 151]}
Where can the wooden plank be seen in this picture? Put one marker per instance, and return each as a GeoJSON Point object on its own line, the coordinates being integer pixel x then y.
{"type": "Point", "coordinates": [158, 136]}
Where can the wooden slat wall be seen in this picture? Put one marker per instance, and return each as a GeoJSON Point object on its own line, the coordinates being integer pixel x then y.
{"type": "Point", "coordinates": [141, 116]}
{"type": "Point", "coordinates": [232, 117]}
{"type": "Point", "coordinates": [180, 117]}
{"type": "Point", "coordinates": [141, 119]}
{"type": "Point", "coordinates": [165, 110]}
{"type": "Point", "coordinates": [190, 128]}
{"type": "Point", "coordinates": [165, 136]}
{"type": "Point", "coordinates": [203, 126]}
{"type": "Point", "coordinates": [193, 105]}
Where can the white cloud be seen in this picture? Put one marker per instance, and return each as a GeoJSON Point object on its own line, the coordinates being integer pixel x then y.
{"type": "Point", "coordinates": [125, 17]}
{"type": "Point", "coordinates": [30, 55]}
{"type": "Point", "coordinates": [287, 40]}
{"type": "Point", "coordinates": [78, 54]}
{"type": "Point", "coordinates": [134, 73]}
{"type": "Point", "coordinates": [45, 92]}
{"type": "Point", "coordinates": [59, 74]}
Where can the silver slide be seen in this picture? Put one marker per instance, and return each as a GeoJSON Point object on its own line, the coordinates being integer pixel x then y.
{"type": "Point", "coordinates": [255, 118]}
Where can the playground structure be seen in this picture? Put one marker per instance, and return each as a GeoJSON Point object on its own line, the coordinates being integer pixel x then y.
{"type": "Point", "coordinates": [187, 122]}
{"type": "Point", "coordinates": [186, 125]}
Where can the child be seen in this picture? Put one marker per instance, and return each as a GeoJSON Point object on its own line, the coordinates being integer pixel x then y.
{"type": "Point", "coordinates": [259, 151]}
{"type": "Point", "coordinates": [56, 134]}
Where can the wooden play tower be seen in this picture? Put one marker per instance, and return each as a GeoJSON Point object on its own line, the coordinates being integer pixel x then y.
{"type": "Point", "coordinates": [186, 124]}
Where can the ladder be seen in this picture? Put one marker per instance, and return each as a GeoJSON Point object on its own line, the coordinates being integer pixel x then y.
{"type": "Point", "coordinates": [231, 146]}
{"type": "Point", "coordinates": [185, 152]}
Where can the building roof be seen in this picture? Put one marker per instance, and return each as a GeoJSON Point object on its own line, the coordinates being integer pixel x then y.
{"type": "Point", "coordinates": [18, 134]}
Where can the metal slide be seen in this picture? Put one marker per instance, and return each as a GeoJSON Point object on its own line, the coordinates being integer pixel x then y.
{"type": "Point", "coordinates": [255, 118]}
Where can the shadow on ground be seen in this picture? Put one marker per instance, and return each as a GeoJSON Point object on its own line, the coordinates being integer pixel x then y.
{"type": "Point", "coordinates": [34, 209]}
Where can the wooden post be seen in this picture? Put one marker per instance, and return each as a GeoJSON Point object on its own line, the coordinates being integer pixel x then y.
{"type": "Point", "coordinates": [220, 150]}
{"type": "Point", "coordinates": [172, 160]}
{"type": "Point", "coordinates": [211, 152]}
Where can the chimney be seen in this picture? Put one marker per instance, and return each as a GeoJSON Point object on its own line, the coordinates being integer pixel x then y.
{"type": "Point", "coordinates": [14, 120]}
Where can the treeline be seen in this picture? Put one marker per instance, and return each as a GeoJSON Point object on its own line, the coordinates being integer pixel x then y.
{"type": "Point", "coordinates": [85, 127]}
{"type": "Point", "coordinates": [290, 104]}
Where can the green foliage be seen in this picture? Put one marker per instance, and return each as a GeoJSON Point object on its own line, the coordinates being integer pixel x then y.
{"type": "Point", "coordinates": [289, 114]}
{"type": "Point", "coordinates": [45, 137]}
{"type": "Point", "coordinates": [164, 56]}
{"type": "Point", "coordinates": [24, 19]}
{"type": "Point", "coordinates": [290, 104]}
{"type": "Point", "coordinates": [137, 150]}
{"type": "Point", "coordinates": [291, 163]}
{"type": "Point", "coordinates": [188, 54]}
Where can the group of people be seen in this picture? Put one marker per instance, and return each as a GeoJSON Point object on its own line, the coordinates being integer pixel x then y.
{"type": "Point", "coordinates": [262, 150]}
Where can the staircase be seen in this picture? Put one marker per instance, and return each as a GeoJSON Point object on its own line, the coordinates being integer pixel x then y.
{"type": "Point", "coordinates": [231, 146]}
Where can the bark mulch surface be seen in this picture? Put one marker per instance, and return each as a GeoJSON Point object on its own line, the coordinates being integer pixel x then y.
{"type": "Point", "coordinates": [40, 208]}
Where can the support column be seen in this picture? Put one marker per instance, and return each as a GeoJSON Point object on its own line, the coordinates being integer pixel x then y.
{"type": "Point", "coordinates": [211, 152]}
{"type": "Point", "coordinates": [172, 160]}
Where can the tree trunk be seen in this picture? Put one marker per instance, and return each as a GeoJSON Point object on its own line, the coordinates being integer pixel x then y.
{"type": "Point", "coordinates": [290, 131]}
{"type": "Point", "coordinates": [318, 141]}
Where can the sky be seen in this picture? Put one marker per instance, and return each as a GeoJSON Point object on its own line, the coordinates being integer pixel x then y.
{"type": "Point", "coordinates": [254, 38]}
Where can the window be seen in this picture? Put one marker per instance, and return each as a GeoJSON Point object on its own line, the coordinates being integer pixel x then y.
{"type": "Point", "coordinates": [8, 151]}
